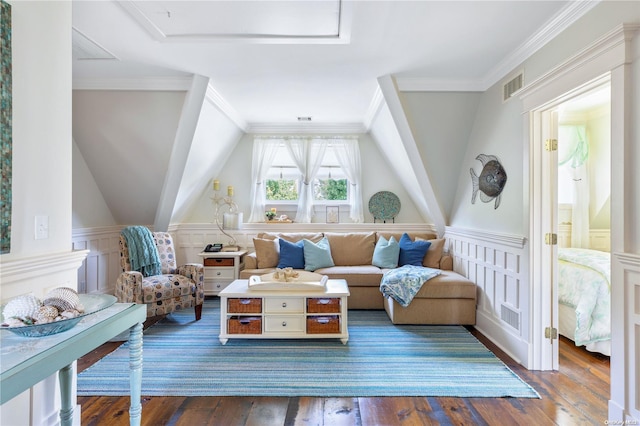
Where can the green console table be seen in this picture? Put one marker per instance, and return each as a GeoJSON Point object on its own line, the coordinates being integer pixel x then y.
{"type": "Point", "coordinates": [25, 361]}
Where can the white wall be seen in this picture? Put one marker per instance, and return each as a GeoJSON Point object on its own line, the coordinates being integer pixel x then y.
{"type": "Point", "coordinates": [214, 141]}
{"type": "Point", "coordinates": [42, 165]}
{"type": "Point", "coordinates": [89, 206]}
{"type": "Point", "coordinates": [599, 134]}
{"type": "Point", "coordinates": [442, 123]}
{"type": "Point", "coordinates": [377, 175]}
{"type": "Point", "coordinates": [497, 130]}
{"type": "Point", "coordinates": [126, 138]}
{"type": "Point", "coordinates": [486, 237]}
{"type": "Point", "coordinates": [41, 112]}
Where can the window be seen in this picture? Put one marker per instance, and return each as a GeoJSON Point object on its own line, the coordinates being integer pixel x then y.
{"type": "Point", "coordinates": [283, 180]}
{"type": "Point", "coordinates": [332, 163]}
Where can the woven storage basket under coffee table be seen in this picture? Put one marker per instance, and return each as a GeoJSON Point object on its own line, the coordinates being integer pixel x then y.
{"type": "Point", "coordinates": [249, 313]}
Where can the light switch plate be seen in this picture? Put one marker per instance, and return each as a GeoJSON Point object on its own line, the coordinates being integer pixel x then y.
{"type": "Point", "coordinates": [42, 227]}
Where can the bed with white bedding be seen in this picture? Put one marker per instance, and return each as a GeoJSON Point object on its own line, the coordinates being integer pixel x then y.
{"type": "Point", "coordinates": [584, 298]}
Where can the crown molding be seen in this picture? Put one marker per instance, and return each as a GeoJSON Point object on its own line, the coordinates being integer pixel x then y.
{"type": "Point", "coordinates": [374, 107]}
{"type": "Point", "coordinates": [178, 84]}
{"type": "Point", "coordinates": [419, 84]}
{"type": "Point", "coordinates": [573, 11]}
{"type": "Point", "coordinates": [607, 43]}
{"type": "Point", "coordinates": [306, 128]}
{"type": "Point", "coordinates": [221, 103]}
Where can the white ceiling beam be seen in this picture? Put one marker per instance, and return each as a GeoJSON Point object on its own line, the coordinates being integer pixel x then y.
{"type": "Point", "coordinates": [180, 152]}
{"type": "Point", "coordinates": [392, 99]}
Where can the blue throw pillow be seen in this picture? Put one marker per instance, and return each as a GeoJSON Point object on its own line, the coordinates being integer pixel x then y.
{"type": "Point", "coordinates": [385, 254]}
{"type": "Point", "coordinates": [317, 255]}
{"type": "Point", "coordinates": [291, 254]}
{"type": "Point", "coordinates": [412, 252]}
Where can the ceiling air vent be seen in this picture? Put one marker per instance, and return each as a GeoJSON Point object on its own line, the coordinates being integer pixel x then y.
{"type": "Point", "coordinates": [512, 86]}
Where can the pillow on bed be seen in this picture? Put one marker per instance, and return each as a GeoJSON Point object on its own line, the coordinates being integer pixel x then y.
{"type": "Point", "coordinates": [412, 252]}
{"type": "Point", "coordinates": [386, 252]}
{"type": "Point", "coordinates": [291, 254]}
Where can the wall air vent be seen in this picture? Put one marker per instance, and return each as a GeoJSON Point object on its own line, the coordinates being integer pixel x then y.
{"type": "Point", "coordinates": [512, 86]}
{"type": "Point", "coordinates": [85, 48]}
{"type": "Point", "coordinates": [510, 315]}
{"type": "Point", "coordinates": [304, 118]}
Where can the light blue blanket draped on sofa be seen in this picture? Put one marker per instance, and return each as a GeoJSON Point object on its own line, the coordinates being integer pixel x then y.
{"type": "Point", "coordinates": [403, 283]}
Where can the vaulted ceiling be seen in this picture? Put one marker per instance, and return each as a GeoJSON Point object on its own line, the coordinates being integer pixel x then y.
{"type": "Point", "coordinates": [274, 61]}
{"type": "Point", "coordinates": [269, 63]}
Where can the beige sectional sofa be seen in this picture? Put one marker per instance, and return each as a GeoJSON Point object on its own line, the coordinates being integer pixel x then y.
{"type": "Point", "coordinates": [446, 299]}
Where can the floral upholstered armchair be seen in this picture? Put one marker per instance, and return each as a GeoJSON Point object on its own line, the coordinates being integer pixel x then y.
{"type": "Point", "coordinates": [175, 289]}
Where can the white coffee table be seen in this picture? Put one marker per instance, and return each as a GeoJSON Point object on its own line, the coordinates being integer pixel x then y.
{"type": "Point", "coordinates": [247, 313]}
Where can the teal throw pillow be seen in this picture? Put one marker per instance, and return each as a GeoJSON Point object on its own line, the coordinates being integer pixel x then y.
{"type": "Point", "coordinates": [412, 252]}
{"type": "Point", "coordinates": [317, 255]}
{"type": "Point", "coordinates": [386, 253]}
{"type": "Point", "coordinates": [291, 254]}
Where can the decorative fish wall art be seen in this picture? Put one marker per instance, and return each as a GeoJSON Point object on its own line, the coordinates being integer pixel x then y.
{"type": "Point", "coordinates": [491, 181]}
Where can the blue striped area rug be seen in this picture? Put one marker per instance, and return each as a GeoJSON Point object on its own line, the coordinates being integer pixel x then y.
{"type": "Point", "coordinates": [183, 357]}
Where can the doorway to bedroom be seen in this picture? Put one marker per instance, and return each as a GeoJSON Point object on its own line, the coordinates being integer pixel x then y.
{"type": "Point", "coordinates": [582, 263]}
{"type": "Point", "coordinates": [571, 193]}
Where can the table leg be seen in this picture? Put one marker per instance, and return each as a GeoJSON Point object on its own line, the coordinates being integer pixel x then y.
{"type": "Point", "coordinates": [135, 373]}
{"type": "Point", "coordinates": [65, 375]}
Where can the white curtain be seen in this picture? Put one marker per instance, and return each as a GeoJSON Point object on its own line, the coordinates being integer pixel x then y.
{"type": "Point", "coordinates": [348, 155]}
{"type": "Point", "coordinates": [307, 156]}
{"type": "Point", "coordinates": [574, 156]}
{"type": "Point", "coordinates": [264, 152]}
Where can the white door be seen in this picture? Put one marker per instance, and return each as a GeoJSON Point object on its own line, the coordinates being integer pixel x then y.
{"type": "Point", "coordinates": [544, 234]}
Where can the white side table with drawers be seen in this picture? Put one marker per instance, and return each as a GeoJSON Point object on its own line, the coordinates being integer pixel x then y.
{"type": "Point", "coordinates": [221, 269]}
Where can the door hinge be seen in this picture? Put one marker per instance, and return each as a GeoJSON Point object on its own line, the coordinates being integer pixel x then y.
{"type": "Point", "coordinates": [551, 333]}
{"type": "Point", "coordinates": [551, 145]}
{"type": "Point", "coordinates": [551, 239]}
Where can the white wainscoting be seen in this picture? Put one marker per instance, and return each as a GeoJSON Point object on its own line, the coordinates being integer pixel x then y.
{"type": "Point", "coordinates": [191, 238]}
{"type": "Point", "coordinates": [100, 270]}
{"type": "Point", "coordinates": [38, 275]}
{"type": "Point", "coordinates": [498, 264]}
{"type": "Point", "coordinates": [599, 239]}
{"type": "Point", "coordinates": [625, 318]}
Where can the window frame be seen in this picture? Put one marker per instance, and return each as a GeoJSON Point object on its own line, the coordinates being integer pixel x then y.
{"type": "Point", "coordinates": [277, 169]}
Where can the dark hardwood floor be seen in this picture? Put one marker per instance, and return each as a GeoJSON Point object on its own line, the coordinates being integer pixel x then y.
{"type": "Point", "coordinates": [577, 394]}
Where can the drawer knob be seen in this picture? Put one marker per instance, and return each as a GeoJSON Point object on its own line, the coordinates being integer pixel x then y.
{"type": "Point", "coordinates": [284, 304]}
{"type": "Point", "coordinates": [218, 273]}
{"type": "Point", "coordinates": [284, 323]}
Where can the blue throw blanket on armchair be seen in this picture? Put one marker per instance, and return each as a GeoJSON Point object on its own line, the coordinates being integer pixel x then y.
{"type": "Point", "coordinates": [143, 253]}
{"type": "Point", "coordinates": [403, 283]}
